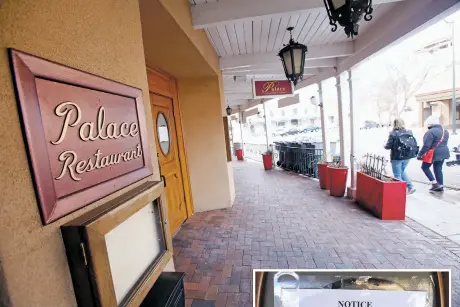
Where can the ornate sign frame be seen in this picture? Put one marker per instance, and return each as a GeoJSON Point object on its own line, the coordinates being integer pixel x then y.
{"type": "Point", "coordinates": [53, 203]}
{"type": "Point", "coordinates": [85, 240]}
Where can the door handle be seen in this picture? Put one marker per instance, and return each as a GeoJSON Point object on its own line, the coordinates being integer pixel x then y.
{"type": "Point", "coordinates": [163, 178]}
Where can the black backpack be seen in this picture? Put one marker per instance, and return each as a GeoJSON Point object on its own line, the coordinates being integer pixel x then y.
{"type": "Point", "coordinates": [405, 146]}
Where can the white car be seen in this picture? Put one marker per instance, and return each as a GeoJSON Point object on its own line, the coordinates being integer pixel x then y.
{"type": "Point", "coordinates": [279, 131]}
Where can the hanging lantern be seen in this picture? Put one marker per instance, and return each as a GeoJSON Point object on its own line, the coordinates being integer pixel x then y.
{"type": "Point", "coordinates": [228, 110]}
{"type": "Point", "coordinates": [348, 13]}
{"type": "Point", "coordinates": [293, 58]}
{"type": "Point", "coordinates": [315, 102]}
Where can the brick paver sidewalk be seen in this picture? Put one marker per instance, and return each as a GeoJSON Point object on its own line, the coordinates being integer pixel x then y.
{"type": "Point", "coordinates": [280, 220]}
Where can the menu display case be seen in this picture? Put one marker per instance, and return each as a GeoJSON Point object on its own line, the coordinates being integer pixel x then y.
{"type": "Point", "coordinates": [352, 289]}
{"type": "Point", "coordinates": [117, 251]}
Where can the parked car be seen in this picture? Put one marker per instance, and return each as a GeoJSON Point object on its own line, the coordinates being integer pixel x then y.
{"type": "Point", "coordinates": [279, 131]}
{"type": "Point", "coordinates": [369, 124]}
{"type": "Point", "coordinates": [310, 129]}
{"type": "Point", "coordinates": [291, 131]}
{"type": "Point", "coordinates": [315, 128]}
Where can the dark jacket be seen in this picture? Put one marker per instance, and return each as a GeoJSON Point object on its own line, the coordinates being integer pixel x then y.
{"type": "Point", "coordinates": [431, 138]}
{"type": "Point", "coordinates": [394, 135]}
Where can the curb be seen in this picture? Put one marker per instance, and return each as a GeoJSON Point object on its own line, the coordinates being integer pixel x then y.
{"type": "Point", "coordinates": [450, 187]}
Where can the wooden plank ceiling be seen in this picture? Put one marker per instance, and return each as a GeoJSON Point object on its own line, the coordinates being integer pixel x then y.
{"type": "Point", "coordinates": [256, 39]}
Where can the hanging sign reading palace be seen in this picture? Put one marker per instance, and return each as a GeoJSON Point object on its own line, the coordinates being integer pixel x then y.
{"type": "Point", "coordinates": [86, 135]}
{"type": "Point", "coordinates": [272, 88]}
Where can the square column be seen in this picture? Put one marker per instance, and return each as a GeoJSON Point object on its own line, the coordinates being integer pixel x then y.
{"type": "Point", "coordinates": [323, 121]}
{"type": "Point", "coordinates": [340, 107]}
{"type": "Point", "coordinates": [351, 190]}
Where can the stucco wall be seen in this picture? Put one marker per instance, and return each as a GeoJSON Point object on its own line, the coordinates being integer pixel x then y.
{"type": "Point", "coordinates": [189, 56]}
{"type": "Point", "coordinates": [168, 47]}
{"type": "Point", "coordinates": [200, 103]}
{"type": "Point", "coordinates": [180, 11]}
{"type": "Point", "coordinates": [102, 37]}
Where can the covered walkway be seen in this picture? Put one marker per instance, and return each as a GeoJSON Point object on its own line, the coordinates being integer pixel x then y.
{"type": "Point", "coordinates": [281, 220]}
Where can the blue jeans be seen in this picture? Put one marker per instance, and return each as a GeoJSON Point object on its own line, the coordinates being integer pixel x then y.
{"type": "Point", "coordinates": [437, 167]}
{"type": "Point", "coordinates": [399, 171]}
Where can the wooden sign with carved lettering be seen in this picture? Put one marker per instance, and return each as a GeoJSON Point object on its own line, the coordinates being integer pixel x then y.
{"type": "Point", "coordinates": [86, 135]}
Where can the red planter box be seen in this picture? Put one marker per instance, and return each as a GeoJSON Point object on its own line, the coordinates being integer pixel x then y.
{"type": "Point", "coordinates": [239, 154]}
{"type": "Point", "coordinates": [323, 176]}
{"type": "Point", "coordinates": [268, 161]}
{"type": "Point", "coordinates": [337, 181]}
{"type": "Point", "coordinates": [386, 200]}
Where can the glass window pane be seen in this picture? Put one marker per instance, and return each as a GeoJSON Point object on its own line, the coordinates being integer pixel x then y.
{"type": "Point", "coordinates": [287, 61]}
{"type": "Point", "coordinates": [338, 3]}
{"type": "Point", "coordinates": [133, 247]}
{"type": "Point", "coordinates": [163, 133]}
{"type": "Point", "coordinates": [297, 60]}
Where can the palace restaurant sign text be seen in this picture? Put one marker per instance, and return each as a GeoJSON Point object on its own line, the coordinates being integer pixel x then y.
{"type": "Point", "coordinates": [272, 88]}
{"type": "Point", "coordinates": [86, 135]}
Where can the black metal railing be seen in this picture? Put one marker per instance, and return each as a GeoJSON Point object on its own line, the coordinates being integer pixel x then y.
{"type": "Point", "coordinates": [299, 158]}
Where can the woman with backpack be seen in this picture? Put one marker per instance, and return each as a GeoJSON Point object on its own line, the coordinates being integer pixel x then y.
{"type": "Point", "coordinates": [403, 147]}
{"type": "Point", "coordinates": [434, 152]}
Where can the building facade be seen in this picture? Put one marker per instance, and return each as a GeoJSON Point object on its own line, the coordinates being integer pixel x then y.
{"type": "Point", "coordinates": [149, 45]}
{"type": "Point", "coordinates": [438, 103]}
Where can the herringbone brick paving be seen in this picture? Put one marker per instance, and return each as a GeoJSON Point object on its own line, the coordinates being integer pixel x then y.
{"type": "Point", "coordinates": [280, 220]}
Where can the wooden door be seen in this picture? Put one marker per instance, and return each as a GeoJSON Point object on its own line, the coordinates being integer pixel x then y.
{"type": "Point", "coordinates": [166, 139]}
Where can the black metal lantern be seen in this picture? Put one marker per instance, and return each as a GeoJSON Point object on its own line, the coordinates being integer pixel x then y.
{"type": "Point", "coordinates": [228, 110]}
{"type": "Point", "coordinates": [348, 13]}
{"type": "Point", "coordinates": [293, 58]}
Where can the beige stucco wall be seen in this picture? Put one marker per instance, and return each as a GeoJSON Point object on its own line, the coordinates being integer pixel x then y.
{"type": "Point", "coordinates": [168, 47]}
{"type": "Point", "coordinates": [180, 11]}
{"type": "Point", "coordinates": [205, 143]}
{"type": "Point", "coordinates": [102, 37]}
{"type": "Point", "coordinates": [190, 57]}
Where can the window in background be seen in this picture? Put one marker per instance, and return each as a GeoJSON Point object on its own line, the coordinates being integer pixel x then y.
{"type": "Point", "coordinates": [458, 110]}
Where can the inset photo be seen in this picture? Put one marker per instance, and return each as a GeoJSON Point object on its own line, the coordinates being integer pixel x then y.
{"type": "Point", "coordinates": [352, 288]}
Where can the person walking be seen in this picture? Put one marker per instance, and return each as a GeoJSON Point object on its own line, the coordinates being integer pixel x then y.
{"type": "Point", "coordinates": [434, 152]}
{"type": "Point", "coordinates": [403, 147]}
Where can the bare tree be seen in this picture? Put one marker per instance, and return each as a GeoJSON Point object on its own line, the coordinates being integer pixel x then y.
{"type": "Point", "coordinates": [404, 80]}
{"type": "Point", "coordinates": [383, 108]}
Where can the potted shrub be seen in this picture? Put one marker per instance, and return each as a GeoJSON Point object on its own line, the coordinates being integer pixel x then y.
{"type": "Point", "coordinates": [323, 175]}
{"type": "Point", "coordinates": [267, 158]}
{"type": "Point", "coordinates": [239, 154]}
{"type": "Point", "coordinates": [337, 174]}
{"type": "Point", "coordinates": [382, 195]}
